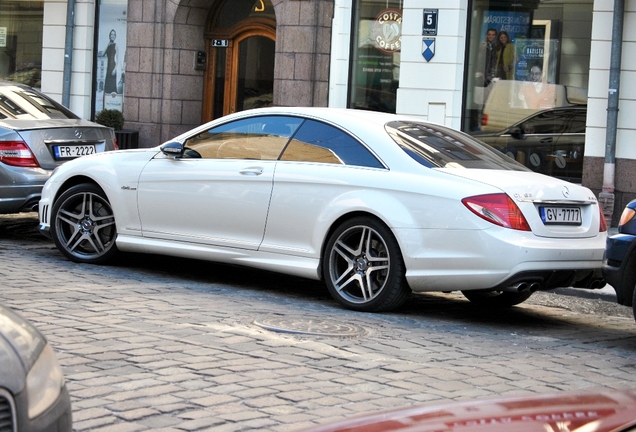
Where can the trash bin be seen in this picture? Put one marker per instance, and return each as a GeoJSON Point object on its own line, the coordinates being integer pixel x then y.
{"type": "Point", "coordinates": [127, 139]}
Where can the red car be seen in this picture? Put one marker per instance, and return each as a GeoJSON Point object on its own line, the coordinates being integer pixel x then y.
{"type": "Point", "coordinates": [597, 411]}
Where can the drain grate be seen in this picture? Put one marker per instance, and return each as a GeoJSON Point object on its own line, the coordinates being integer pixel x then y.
{"type": "Point", "coordinates": [309, 326]}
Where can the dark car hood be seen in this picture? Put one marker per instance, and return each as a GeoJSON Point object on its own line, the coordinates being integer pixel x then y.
{"type": "Point", "coordinates": [12, 372]}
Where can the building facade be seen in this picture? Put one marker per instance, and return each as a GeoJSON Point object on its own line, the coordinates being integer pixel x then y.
{"type": "Point", "coordinates": [170, 65]}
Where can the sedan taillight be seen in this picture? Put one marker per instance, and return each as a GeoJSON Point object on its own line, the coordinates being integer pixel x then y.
{"type": "Point", "coordinates": [16, 153]}
{"type": "Point", "coordinates": [498, 209]}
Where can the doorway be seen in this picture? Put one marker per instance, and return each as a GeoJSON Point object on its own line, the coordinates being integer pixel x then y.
{"type": "Point", "coordinates": [240, 58]}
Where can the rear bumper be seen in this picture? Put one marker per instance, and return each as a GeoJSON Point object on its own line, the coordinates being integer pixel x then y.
{"type": "Point", "coordinates": [17, 199]}
{"type": "Point", "coordinates": [498, 259]}
{"type": "Point", "coordinates": [20, 188]}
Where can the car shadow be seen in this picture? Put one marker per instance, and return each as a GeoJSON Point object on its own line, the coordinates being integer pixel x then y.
{"type": "Point", "coordinates": [544, 315]}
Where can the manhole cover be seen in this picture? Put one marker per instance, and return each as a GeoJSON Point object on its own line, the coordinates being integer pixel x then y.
{"type": "Point", "coordinates": [308, 325]}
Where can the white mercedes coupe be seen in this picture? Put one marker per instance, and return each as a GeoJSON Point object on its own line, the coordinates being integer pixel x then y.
{"type": "Point", "coordinates": [376, 205]}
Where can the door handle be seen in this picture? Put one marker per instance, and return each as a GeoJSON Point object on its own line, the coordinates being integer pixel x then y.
{"type": "Point", "coordinates": [546, 140]}
{"type": "Point", "coordinates": [253, 171]}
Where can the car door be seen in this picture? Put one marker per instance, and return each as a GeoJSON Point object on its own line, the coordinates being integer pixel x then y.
{"type": "Point", "coordinates": [535, 138]}
{"type": "Point", "coordinates": [316, 174]}
{"type": "Point", "coordinates": [219, 192]}
{"type": "Point", "coordinates": [566, 161]}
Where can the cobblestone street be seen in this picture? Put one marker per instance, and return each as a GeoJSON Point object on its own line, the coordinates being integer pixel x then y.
{"type": "Point", "coordinates": [162, 344]}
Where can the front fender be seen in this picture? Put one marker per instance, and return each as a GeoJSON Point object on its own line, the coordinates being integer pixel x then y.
{"type": "Point", "coordinates": [116, 173]}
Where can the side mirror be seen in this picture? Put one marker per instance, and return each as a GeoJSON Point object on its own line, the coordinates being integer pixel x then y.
{"type": "Point", "coordinates": [516, 133]}
{"type": "Point", "coordinates": [173, 149]}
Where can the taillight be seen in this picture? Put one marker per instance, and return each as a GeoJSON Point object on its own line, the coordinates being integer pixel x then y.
{"type": "Point", "coordinates": [16, 153]}
{"type": "Point", "coordinates": [498, 209]}
{"type": "Point", "coordinates": [115, 146]}
{"type": "Point", "coordinates": [484, 119]}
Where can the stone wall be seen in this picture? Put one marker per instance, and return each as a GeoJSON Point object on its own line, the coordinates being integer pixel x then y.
{"type": "Point", "coordinates": [164, 92]}
{"type": "Point", "coordinates": [625, 182]}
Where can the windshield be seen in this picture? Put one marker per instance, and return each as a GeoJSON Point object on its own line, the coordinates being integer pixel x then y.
{"type": "Point", "coordinates": [439, 147]}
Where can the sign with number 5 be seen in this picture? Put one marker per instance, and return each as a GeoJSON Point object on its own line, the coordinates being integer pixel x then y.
{"type": "Point", "coordinates": [429, 25]}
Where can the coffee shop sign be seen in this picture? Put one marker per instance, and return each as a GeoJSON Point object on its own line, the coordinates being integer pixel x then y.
{"type": "Point", "coordinates": [387, 31]}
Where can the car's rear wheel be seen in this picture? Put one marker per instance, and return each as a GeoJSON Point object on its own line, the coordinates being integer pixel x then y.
{"type": "Point", "coordinates": [497, 298]}
{"type": "Point", "coordinates": [363, 266]}
{"type": "Point", "coordinates": [83, 225]}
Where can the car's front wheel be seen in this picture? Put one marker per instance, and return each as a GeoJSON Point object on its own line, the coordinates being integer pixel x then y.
{"type": "Point", "coordinates": [363, 266]}
{"type": "Point", "coordinates": [83, 225]}
{"type": "Point", "coordinates": [497, 298]}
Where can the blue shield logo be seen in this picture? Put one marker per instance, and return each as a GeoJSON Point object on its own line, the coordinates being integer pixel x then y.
{"type": "Point", "coordinates": [428, 48]}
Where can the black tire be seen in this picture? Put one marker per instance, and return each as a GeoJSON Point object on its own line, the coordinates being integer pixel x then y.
{"type": "Point", "coordinates": [497, 298]}
{"type": "Point", "coordinates": [83, 225]}
{"type": "Point", "coordinates": [363, 267]}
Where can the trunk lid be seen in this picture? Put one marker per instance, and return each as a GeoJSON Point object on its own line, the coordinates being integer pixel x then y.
{"type": "Point", "coordinates": [553, 208]}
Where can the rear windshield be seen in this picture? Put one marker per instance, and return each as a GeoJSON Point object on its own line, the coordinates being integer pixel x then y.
{"type": "Point", "coordinates": [439, 147]}
{"type": "Point", "coordinates": [20, 102]}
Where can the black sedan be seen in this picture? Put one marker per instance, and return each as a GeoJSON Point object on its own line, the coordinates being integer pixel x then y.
{"type": "Point", "coordinates": [551, 141]}
{"type": "Point", "coordinates": [619, 262]}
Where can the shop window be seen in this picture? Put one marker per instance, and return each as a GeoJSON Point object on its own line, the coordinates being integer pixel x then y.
{"type": "Point", "coordinates": [21, 24]}
{"type": "Point", "coordinates": [525, 58]}
{"type": "Point", "coordinates": [375, 69]}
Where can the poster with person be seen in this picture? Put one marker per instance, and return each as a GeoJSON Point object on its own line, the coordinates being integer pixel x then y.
{"type": "Point", "coordinates": [111, 54]}
{"type": "Point", "coordinates": [513, 29]}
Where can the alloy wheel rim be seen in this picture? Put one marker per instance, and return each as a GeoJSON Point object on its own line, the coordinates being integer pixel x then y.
{"type": "Point", "coordinates": [359, 264]}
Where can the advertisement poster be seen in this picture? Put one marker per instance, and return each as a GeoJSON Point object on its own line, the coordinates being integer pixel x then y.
{"type": "Point", "coordinates": [111, 55]}
{"type": "Point", "coordinates": [518, 26]}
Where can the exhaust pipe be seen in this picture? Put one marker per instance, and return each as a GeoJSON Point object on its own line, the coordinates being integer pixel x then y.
{"type": "Point", "coordinates": [518, 287]}
{"type": "Point", "coordinates": [523, 287]}
{"type": "Point", "coordinates": [597, 283]}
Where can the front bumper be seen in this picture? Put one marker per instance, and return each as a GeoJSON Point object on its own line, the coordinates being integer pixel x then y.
{"type": "Point", "coordinates": [57, 418]}
{"type": "Point", "coordinates": [618, 266]}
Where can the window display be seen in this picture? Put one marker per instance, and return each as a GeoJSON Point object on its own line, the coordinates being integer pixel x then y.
{"type": "Point", "coordinates": [21, 41]}
{"type": "Point", "coordinates": [376, 44]}
{"type": "Point", "coordinates": [518, 67]}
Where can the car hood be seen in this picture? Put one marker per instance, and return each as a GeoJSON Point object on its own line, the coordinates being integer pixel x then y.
{"type": "Point", "coordinates": [28, 124]}
{"type": "Point", "coordinates": [600, 411]}
{"type": "Point", "coordinates": [12, 372]}
{"type": "Point", "coordinates": [531, 191]}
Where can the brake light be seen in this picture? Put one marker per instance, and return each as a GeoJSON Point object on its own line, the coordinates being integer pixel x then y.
{"type": "Point", "coordinates": [16, 153]}
{"type": "Point", "coordinates": [498, 209]}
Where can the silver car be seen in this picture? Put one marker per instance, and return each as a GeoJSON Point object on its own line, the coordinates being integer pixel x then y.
{"type": "Point", "coordinates": [36, 135]}
{"type": "Point", "coordinates": [33, 395]}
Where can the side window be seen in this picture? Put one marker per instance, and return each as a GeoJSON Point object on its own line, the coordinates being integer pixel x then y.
{"type": "Point", "coordinates": [578, 122]}
{"type": "Point", "coordinates": [319, 142]}
{"type": "Point", "coordinates": [549, 122]}
{"type": "Point", "coordinates": [261, 138]}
